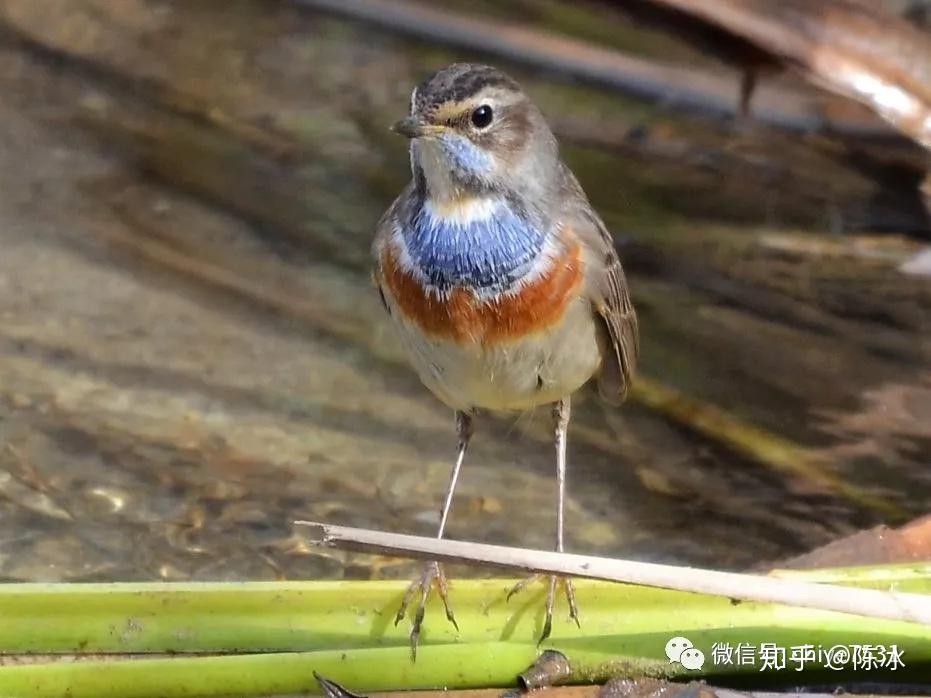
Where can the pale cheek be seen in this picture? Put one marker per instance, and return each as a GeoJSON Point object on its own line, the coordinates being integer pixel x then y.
{"type": "Point", "coordinates": [435, 164]}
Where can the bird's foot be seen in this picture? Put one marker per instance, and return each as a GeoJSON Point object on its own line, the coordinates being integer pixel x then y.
{"type": "Point", "coordinates": [432, 573]}
{"type": "Point", "coordinates": [554, 581]}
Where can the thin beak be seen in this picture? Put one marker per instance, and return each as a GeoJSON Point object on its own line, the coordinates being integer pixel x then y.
{"type": "Point", "coordinates": [414, 128]}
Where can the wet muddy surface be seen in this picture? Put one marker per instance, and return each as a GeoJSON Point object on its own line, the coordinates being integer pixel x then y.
{"type": "Point", "coordinates": [192, 355]}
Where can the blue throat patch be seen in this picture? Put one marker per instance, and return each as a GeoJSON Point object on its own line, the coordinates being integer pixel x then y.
{"type": "Point", "coordinates": [465, 155]}
{"type": "Point", "coordinates": [487, 254]}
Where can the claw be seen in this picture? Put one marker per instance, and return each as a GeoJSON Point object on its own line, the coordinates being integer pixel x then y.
{"type": "Point", "coordinates": [550, 602]}
{"type": "Point", "coordinates": [443, 589]}
{"type": "Point", "coordinates": [406, 601]}
{"type": "Point", "coordinates": [570, 597]}
{"type": "Point", "coordinates": [433, 572]}
{"type": "Point", "coordinates": [523, 584]}
{"type": "Point", "coordinates": [554, 581]}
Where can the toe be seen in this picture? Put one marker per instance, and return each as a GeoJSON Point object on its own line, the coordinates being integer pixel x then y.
{"type": "Point", "coordinates": [443, 590]}
{"type": "Point", "coordinates": [433, 573]}
{"type": "Point", "coordinates": [570, 597]}
{"type": "Point", "coordinates": [412, 589]}
{"type": "Point", "coordinates": [521, 585]}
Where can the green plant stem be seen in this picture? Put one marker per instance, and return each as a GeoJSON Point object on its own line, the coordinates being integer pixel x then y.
{"type": "Point", "coordinates": [456, 666]}
{"type": "Point", "coordinates": [322, 615]}
{"type": "Point", "coordinates": [345, 631]}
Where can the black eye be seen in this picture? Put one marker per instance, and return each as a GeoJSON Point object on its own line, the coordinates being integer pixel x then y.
{"type": "Point", "coordinates": [481, 117]}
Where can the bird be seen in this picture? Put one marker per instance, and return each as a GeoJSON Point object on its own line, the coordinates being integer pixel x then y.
{"type": "Point", "coordinates": [503, 284]}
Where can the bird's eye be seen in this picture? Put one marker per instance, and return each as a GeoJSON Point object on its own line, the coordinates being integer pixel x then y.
{"type": "Point", "coordinates": [482, 116]}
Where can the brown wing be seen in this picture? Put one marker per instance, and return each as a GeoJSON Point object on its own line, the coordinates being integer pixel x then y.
{"type": "Point", "coordinates": [609, 295]}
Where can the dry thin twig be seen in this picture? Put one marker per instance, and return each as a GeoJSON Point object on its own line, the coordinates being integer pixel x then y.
{"type": "Point", "coordinates": [890, 605]}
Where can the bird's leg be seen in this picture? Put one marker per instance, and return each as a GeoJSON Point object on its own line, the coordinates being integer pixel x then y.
{"type": "Point", "coordinates": [561, 411]}
{"type": "Point", "coordinates": [433, 571]}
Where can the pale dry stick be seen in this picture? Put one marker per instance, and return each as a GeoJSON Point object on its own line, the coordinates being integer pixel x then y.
{"type": "Point", "coordinates": [889, 605]}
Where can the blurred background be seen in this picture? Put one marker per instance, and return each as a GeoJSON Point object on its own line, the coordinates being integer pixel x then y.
{"type": "Point", "coordinates": [192, 355]}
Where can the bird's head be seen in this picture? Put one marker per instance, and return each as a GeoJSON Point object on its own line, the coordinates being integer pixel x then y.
{"type": "Point", "coordinates": [475, 133]}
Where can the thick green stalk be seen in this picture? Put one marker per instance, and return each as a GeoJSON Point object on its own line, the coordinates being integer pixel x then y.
{"type": "Point", "coordinates": [456, 666]}
{"type": "Point", "coordinates": [304, 616]}
{"type": "Point", "coordinates": [904, 576]}
{"type": "Point", "coordinates": [345, 631]}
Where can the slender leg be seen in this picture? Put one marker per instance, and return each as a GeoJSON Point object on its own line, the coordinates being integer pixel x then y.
{"type": "Point", "coordinates": [561, 411]}
{"type": "Point", "coordinates": [433, 571]}
{"type": "Point", "coordinates": [464, 432]}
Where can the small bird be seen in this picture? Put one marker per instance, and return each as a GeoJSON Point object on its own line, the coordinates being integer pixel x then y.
{"type": "Point", "coordinates": [502, 282]}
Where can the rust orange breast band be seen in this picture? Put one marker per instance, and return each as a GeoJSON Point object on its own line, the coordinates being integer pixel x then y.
{"type": "Point", "coordinates": [462, 316]}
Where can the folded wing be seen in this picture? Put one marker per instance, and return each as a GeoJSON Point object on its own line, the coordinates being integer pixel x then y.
{"type": "Point", "coordinates": [609, 296]}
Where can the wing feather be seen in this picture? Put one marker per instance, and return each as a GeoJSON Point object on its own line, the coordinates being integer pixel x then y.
{"type": "Point", "coordinates": [608, 293]}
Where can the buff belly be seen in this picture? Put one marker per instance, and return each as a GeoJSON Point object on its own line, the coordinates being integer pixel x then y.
{"type": "Point", "coordinates": [507, 374]}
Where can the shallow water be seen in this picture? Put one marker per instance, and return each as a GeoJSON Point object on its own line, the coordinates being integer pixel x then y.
{"type": "Point", "coordinates": [193, 356]}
